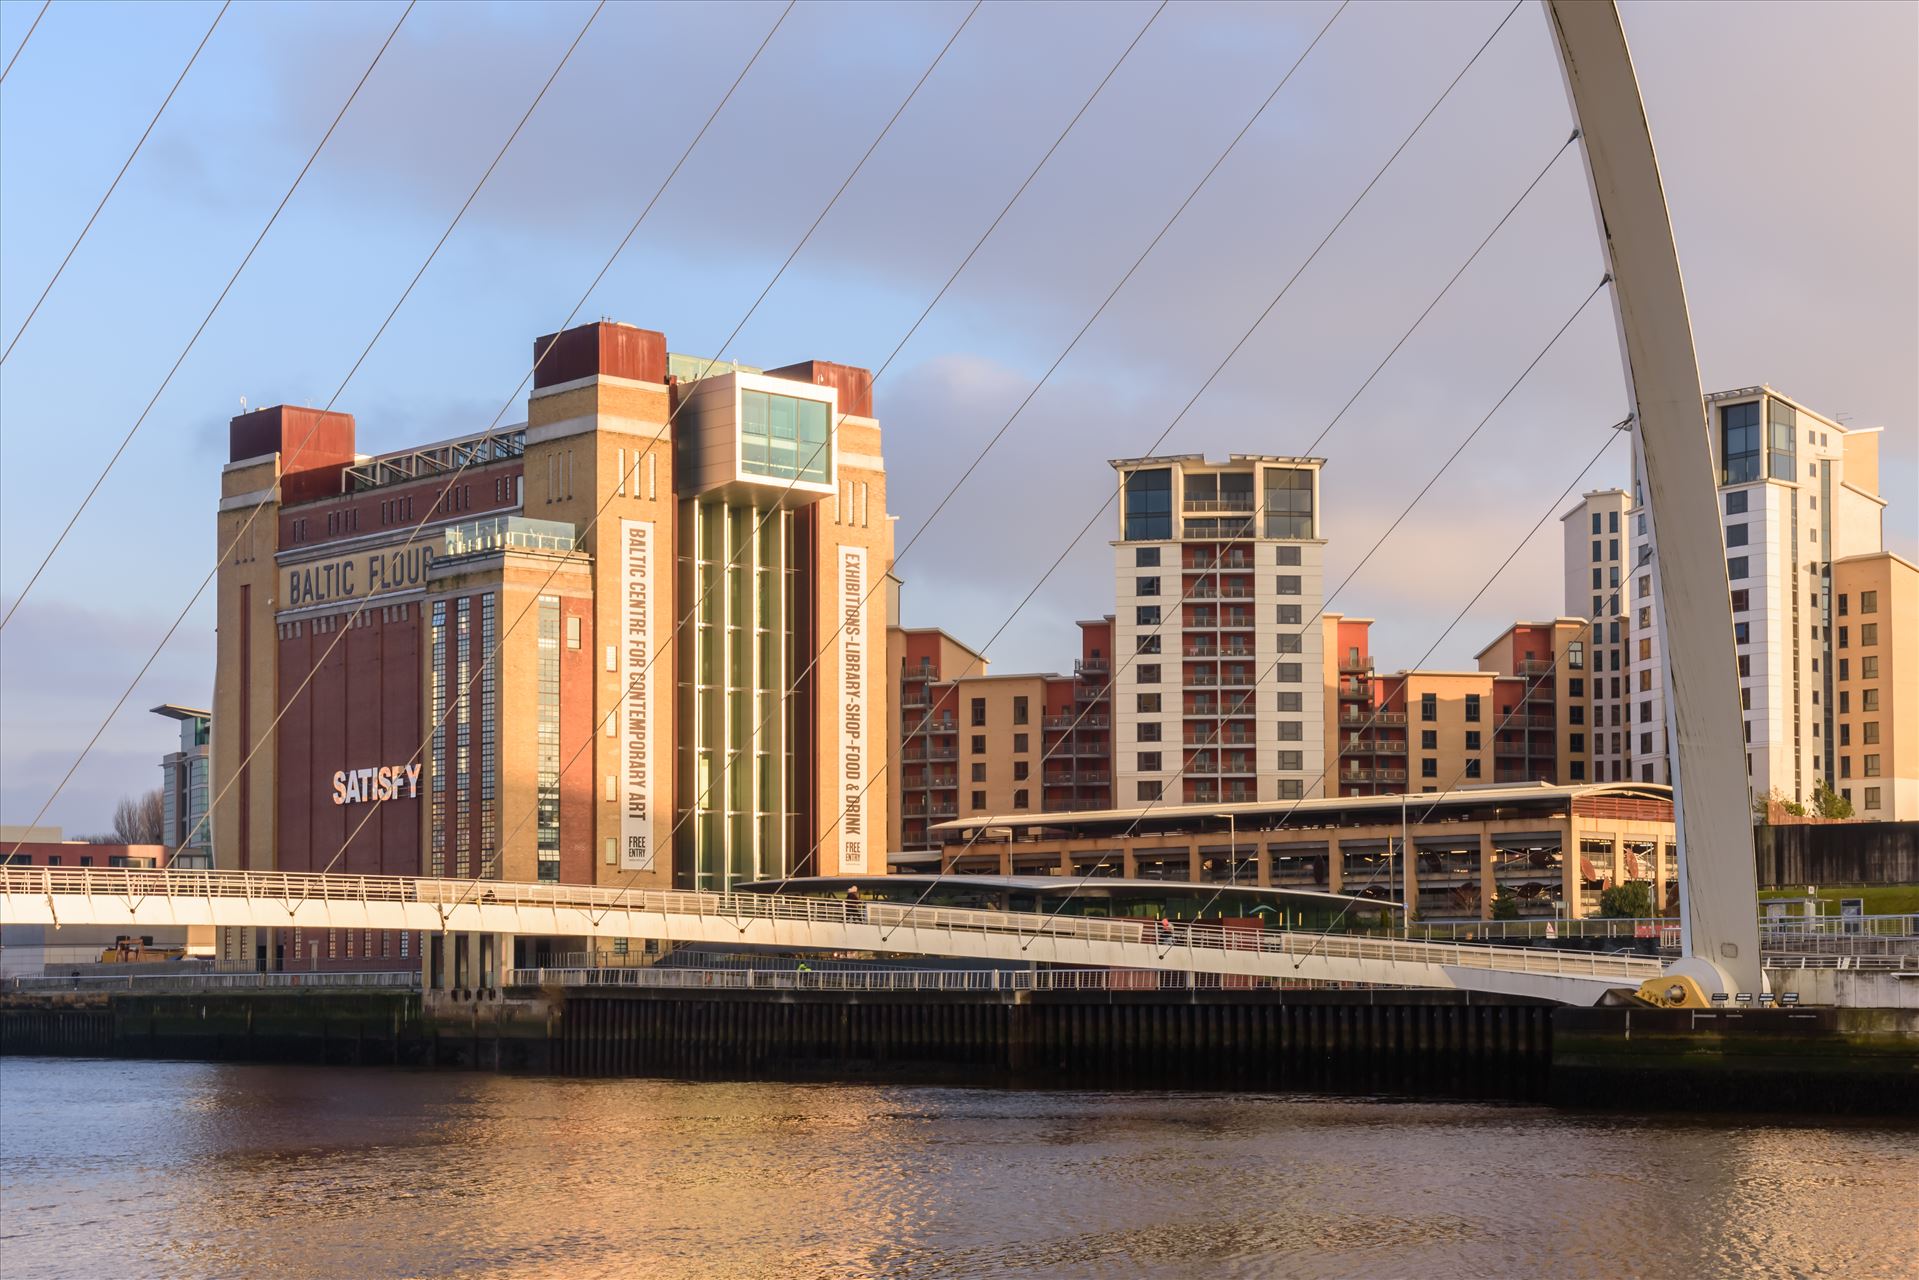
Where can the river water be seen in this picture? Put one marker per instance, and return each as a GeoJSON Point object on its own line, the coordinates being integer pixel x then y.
{"type": "Point", "coordinates": [137, 1169]}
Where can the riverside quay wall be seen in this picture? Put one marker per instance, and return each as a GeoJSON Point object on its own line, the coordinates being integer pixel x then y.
{"type": "Point", "coordinates": [1445, 1044]}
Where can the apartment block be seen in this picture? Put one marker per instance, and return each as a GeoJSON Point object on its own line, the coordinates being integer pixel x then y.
{"type": "Point", "coordinates": [1219, 583]}
{"type": "Point", "coordinates": [1598, 551]}
{"type": "Point", "coordinates": [184, 795]}
{"type": "Point", "coordinates": [973, 742]}
{"type": "Point", "coordinates": [1797, 493]}
{"type": "Point", "coordinates": [1521, 717]}
{"type": "Point", "coordinates": [1876, 681]}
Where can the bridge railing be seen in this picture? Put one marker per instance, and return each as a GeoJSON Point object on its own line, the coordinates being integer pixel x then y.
{"type": "Point", "coordinates": [249, 981]}
{"type": "Point", "coordinates": [896, 924]}
{"type": "Point", "coordinates": [982, 980]}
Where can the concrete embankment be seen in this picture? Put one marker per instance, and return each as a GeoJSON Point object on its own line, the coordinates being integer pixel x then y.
{"type": "Point", "coordinates": [1420, 1043]}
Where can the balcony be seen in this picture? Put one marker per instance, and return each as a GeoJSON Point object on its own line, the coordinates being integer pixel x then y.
{"type": "Point", "coordinates": [1238, 502]}
{"type": "Point", "coordinates": [1091, 692]}
{"type": "Point", "coordinates": [1208, 649]}
{"type": "Point", "coordinates": [1238, 766]}
{"type": "Point", "coordinates": [1356, 666]}
{"type": "Point", "coordinates": [1355, 690]}
{"type": "Point", "coordinates": [1206, 564]}
{"type": "Point", "coordinates": [1090, 667]}
{"type": "Point", "coordinates": [1095, 778]}
{"type": "Point", "coordinates": [1532, 667]}
{"type": "Point", "coordinates": [1213, 591]}
{"type": "Point", "coordinates": [1215, 738]}
{"type": "Point", "coordinates": [1359, 716]}
{"type": "Point", "coordinates": [915, 701]}
{"type": "Point", "coordinates": [1373, 747]}
{"type": "Point", "coordinates": [1372, 775]}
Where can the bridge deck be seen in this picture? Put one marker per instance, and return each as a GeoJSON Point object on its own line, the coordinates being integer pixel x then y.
{"type": "Point", "coordinates": [137, 898]}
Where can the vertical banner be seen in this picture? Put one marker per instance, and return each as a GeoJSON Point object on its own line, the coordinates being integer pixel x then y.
{"type": "Point", "coordinates": [636, 739]}
{"type": "Point", "coordinates": [854, 755]}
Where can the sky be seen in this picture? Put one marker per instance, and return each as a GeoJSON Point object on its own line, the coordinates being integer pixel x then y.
{"type": "Point", "coordinates": [1788, 136]}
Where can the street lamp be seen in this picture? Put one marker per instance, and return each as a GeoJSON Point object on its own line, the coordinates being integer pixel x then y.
{"type": "Point", "coordinates": [1232, 846]}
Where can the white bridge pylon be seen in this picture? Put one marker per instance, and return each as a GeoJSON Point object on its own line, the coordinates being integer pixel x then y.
{"type": "Point", "coordinates": [136, 899]}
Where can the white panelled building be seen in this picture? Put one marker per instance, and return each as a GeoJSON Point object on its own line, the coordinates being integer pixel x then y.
{"type": "Point", "coordinates": [1219, 698]}
{"type": "Point", "coordinates": [1797, 491]}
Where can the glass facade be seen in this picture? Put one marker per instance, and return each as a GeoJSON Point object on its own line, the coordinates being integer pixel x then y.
{"type": "Point", "coordinates": [1149, 505]}
{"type": "Point", "coordinates": [1289, 502]}
{"type": "Point", "coordinates": [784, 438]}
{"type": "Point", "coordinates": [436, 847]}
{"type": "Point", "coordinates": [735, 727]}
{"type": "Point", "coordinates": [1739, 443]}
{"type": "Point", "coordinates": [1782, 447]}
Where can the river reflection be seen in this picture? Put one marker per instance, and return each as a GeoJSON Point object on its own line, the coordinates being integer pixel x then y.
{"type": "Point", "coordinates": [133, 1169]}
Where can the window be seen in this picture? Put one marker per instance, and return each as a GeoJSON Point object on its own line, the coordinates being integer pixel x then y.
{"type": "Point", "coordinates": [1148, 672]}
{"type": "Point", "coordinates": [1576, 688]}
{"type": "Point", "coordinates": [1595, 548]}
{"type": "Point", "coordinates": [1745, 664]}
{"type": "Point", "coordinates": [979, 800]}
{"type": "Point", "coordinates": [1291, 761]}
{"type": "Point", "coordinates": [1645, 680]}
{"type": "Point", "coordinates": [1472, 767]}
{"type": "Point", "coordinates": [1289, 615]}
{"type": "Point", "coordinates": [784, 437]}
{"type": "Point", "coordinates": [1149, 731]}
{"type": "Point", "coordinates": [1019, 799]}
{"type": "Point", "coordinates": [979, 744]}
{"type": "Point", "coordinates": [1148, 791]}
{"type": "Point", "coordinates": [1742, 633]}
{"type": "Point", "coordinates": [1842, 604]}
{"type": "Point", "coordinates": [1783, 432]}
{"type": "Point", "coordinates": [1871, 766]}
{"type": "Point", "coordinates": [1289, 643]}
{"type": "Point", "coordinates": [1289, 700]}
{"type": "Point", "coordinates": [1146, 557]}
{"type": "Point", "coordinates": [979, 713]}
{"type": "Point", "coordinates": [979, 771]}
{"type": "Point", "coordinates": [1872, 797]}
{"type": "Point", "coordinates": [1019, 743]}
{"type": "Point", "coordinates": [1845, 637]}
{"type": "Point", "coordinates": [1429, 739]}
{"type": "Point", "coordinates": [1845, 668]}
{"type": "Point", "coordinates": [1736, 503]}
{"type": "Point", "coordinates": [1429, 768]}
{"type": "Point", "coordinates": [1868, 633]}
{"type": "Point", "coordinates": [1739, 443]}
{"type": "Point", "coordinates": [1845, 701]}
{"type": "Point", "coordinates": [1148, 762]}
{"type": "Point", "coordinates": [1286, 555]}
{"type": "Point", "coordinates": [1289, 731]}
{"type": "Point", "coordinates": [1576, 770]}
{"type": "Point", "coordinates": [1736, 568]}
{"type": "Point", "coordinates": [1645, 585]}
{"type": "Point", "coordinates": [1429, 706]}
{"type": "Point", "coordinates": [1868, 732]}
{"type": "Point", "coordinates": [1287, 584]}
{"type": "Point", "coordinates": [1599, 580]}
{"type": "Point", "coordinates": [1147, 702]}
{"type": "Point", "coordinates": [1291, 789]}
{"type": "Point", "coordinates": [1146, 644]}
{"type": "Point", "coordinates": [1020, 768]}
{"type": "Point", "coordinates": [1845, 734]}
{"type": "Point", "coordinates": [1869, 667]}
{"type": "Point", "coordinates": [1020, 709]}
{"type": "Point", "coordinates": [1289, 502]}
{"type": "Point", "coordinates": [1472, 739]}
{"type": "Point", "coordinates": [1612, 548]}
{"type": "Point", "coordinates": [1741, 602]}
{"type": "Point", "coordinates": [1868, 603]}
{"type": "Point", "coordinates": [1149, 505]}
{"type": "Point", "coordinates": [1576, 655]}
{"type": "Point", "coordinates": [1575, 715]}
{"type": "Point", "coordinates": [573, 632]}
{"type": "Point", "coordinates": [1645, 713]}
{"type": "Point", "coordinates": [1146, 615]}
{"type": "Point", "coordinates": [1735, 535]}
{"type": "Point", "coordinates": [1472, 708]}
{"type": "Point", "coordinates": [1645, 749]}
{"type": "Point", "coordinates": [1146, 586]}
{"type": "Point", "coordinates": [1845, 766]}
{"type": "Point", "coordinates": [1595, 530]}
{"type": "Point", "coordinates": [1288, 672]}
{"type": "Point", "coordinates": [1576, 742]}
{"type": "Point", "coordinates": [1868, 699]}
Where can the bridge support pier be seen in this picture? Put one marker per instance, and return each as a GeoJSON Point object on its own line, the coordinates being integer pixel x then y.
{"type": "Point", "coordinates": [464, 961]}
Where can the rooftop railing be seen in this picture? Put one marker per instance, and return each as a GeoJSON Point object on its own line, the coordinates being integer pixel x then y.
{"type": "Point", "coordinates": [514, 533]}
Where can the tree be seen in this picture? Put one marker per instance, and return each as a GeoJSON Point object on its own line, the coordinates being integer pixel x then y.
{"type": "Point", "coordinates": [140, 819]}
{"type": "Point", "coordinates": [1828, 803]}
{"type": "Point", "coordinates": [1762, 805]}
{"type": "Point", "coordinates": [1505, 903]}
{"type": "Point", "coordinates": [1629, 901]}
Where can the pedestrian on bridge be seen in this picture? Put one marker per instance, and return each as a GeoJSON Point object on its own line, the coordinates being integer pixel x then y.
{"type": "Point", "coordinates": [855, 909]}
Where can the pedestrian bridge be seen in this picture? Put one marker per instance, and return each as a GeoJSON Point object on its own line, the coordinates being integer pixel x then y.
{"type": "Point", "coordinates": [139, 899]}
